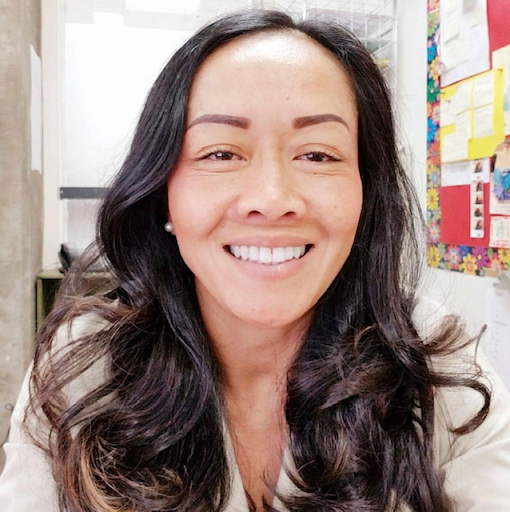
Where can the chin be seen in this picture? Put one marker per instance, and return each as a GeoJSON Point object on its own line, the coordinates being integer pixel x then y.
{"type": "Point", "coordinates": [274, 319]}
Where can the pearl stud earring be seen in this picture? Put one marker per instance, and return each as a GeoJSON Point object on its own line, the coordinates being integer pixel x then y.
{"type": "Point", "coordinates": [169, 227]}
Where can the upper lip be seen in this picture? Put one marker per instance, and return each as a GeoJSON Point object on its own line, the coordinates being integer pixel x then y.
{"type": "Point", "coordinates": [270, 241]}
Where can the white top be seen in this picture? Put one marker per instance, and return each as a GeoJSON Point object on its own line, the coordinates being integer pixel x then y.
{"type": "Point", "coordinates": [477, 465]}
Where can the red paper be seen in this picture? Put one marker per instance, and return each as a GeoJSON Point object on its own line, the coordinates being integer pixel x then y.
{"type": "Point", "coordinates": [498, 17]}
{"type": "Point", "coordinates": [456, 216]}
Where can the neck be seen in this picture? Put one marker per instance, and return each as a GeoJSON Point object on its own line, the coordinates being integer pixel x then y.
{"type": "Point", "coordinates": [254, 360]}
{"type": "Point", "coordinates": [254, 357]}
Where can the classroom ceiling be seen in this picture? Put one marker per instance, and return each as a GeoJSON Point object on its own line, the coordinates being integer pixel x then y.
{"type": "Point", "coordinates": [371, 20]}
{"type": "Point", "coordinates": [138, 12]}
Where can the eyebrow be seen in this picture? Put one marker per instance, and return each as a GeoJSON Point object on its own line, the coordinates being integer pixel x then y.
{"type": "Point", "coordinates": [244, 122]}
{"type": "Point", "coordinates": [303, 122]}
{"type": "Point", "coordinates": [238, 122]}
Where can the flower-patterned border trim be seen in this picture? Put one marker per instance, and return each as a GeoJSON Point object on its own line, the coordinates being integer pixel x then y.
{"type": "Point", "coordinates": [459, 258]}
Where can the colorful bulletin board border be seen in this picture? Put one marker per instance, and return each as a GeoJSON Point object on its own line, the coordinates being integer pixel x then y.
{"type": "Point", "coordinates": [479, 261]}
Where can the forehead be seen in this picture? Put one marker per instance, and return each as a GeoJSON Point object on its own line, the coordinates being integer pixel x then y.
{"type": "Point", "coordinates": [286, 47]}
{"type": "Point", "coordinates": [271, 67]}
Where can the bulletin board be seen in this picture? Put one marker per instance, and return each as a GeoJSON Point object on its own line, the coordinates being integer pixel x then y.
{"type": "Point", "coordinates": [468, 110]}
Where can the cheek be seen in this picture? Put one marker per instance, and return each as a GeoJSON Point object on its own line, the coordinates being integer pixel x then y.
{"type": "Point", "coordinates": [188, 205]}
{"type": "Point", "coordinates": [342, 208]}
{"type": "Point", "coordinates": [199, 200]}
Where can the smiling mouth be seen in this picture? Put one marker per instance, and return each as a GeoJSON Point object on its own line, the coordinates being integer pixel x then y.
{"type": "Point", "coordinates": [267, 255]}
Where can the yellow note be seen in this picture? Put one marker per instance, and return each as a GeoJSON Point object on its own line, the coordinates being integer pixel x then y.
{"type": "Point", "coordinates": [487, 122]}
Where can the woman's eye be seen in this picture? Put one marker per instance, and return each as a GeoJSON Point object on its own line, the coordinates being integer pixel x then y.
{"type": "Point", "coordinates": [219, 155]}
{"type": "Point", "coordinates": [319, 156]}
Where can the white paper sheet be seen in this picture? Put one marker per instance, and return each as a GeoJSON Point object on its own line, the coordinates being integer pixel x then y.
{"type": "Point", "coordinates": [486, 168]}
{"type": "Point", "coordinates": [497, 207]}
{"type": "Point", "coordinates": [447, 113]}
{"type": "Point", "coordinates": [476, 17]}
{"type": "Point", "coordinates": [36, 110]}
{"type": "Point", "coordinates": [463, 123]}
{"type": "Point", "coordinates": [500, 232]}
{"type": "Point", "coordinates": [450, 22]}
{"type": "Point", "coordinates": [497, 339]}
{"type": "Point", "coordinates": [477, 223]}
{"type": "Point", "coordinates": [455, 174]}
{"type": "Point", "coordinates": [481, 169]}
{"type": "Point", "coordinates": [455, 52]}
{"type": "Point", "coordinates": [467, 53]}
{"type": "Point", "coordinates": [483, 90]}
{"type": "Point", "coordinates": [454, 147]}
{"type": "Point", "coordinates": [501, 60]}
{"type": "Point", "coordinates": [483, 121]}
{"type": "Point", "coordinates": [461, 100]}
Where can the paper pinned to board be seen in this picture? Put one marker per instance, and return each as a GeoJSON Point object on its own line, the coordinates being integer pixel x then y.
{"type": "Point", "coordinates": [500, 183]}
{"type": "Point", "coordinates": [456, 52]}
{"type": "Point", "coordinates": [463, 123]}
{"type": "Point", "coordinates": [450, 23]}
{"type": "Point", "coordinates": [465, 47]}
{"type": "Point", "coordinates": [483, 121]}
{"type": "Point", "coordinates": [447, 113]}
{"type": "Point", "coordinates": [476, 17]}
{"type": "Point", "coordinates": [497, 339]}
{"type": "Point", "coordinates": [483, 90]}
{"type": "Point", "coordinates": [501, 60]}
{"type": "Point", "coordinates": [486, 121]}
{"type": "Point", "coordinates": [500, 232]}
{"type": "Point", "coordinates": [462, 97]}
{"type": "Point", "coordinates": [454, 147]}
{"type": "Point", "coordinates": [458, 173]}
{"type": "Point", "coordinates": [477, 201]}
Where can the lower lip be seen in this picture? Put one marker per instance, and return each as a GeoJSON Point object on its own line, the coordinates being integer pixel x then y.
{"type": "Point", "coordinates": [272, 270]}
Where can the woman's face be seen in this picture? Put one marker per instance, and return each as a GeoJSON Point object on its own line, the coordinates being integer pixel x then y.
{"type": "Point", "coordinates": [266, 196]}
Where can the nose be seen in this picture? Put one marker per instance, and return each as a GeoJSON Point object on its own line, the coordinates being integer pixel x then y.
{"type": "Point", "coordinates": [273, 190]}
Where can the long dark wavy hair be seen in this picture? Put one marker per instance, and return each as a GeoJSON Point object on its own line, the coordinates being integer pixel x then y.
{"type": "Point", "coordinates": [148, 435]}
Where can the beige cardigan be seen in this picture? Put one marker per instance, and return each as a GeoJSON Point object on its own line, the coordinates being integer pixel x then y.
{"type": "Point", "coordinates": [477, 465]}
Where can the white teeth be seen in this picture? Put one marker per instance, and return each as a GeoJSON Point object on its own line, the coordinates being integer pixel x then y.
{"type": "Point", "coordinates": [266, 255]}
{"type": "Point", "coordinates": [278, 254]}
{"type": "Point", "coordinates": [254, 253]}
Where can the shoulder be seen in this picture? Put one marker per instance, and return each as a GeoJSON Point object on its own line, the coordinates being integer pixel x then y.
{"type": "Point", "coordinates": [428, 316]}
{"type": "Point", "coordinates": [476, 466]}
{"type": "Point", "coordinates": [72, 345]}
{"type": "Point", "coordinates": [81, 326]}
{"type": "Point", "coordinates": [26, 482]}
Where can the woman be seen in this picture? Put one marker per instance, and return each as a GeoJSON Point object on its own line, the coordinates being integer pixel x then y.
{"type": "Point", "coordinates": [263, 348]}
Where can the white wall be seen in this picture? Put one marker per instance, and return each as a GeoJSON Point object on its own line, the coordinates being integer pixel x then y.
{"type": "Point", "coordinates": [108, 71]}
{"type": "Point", "coordinates": [52, 64]}
{"type": "Point", "coordinates": [460, 293]}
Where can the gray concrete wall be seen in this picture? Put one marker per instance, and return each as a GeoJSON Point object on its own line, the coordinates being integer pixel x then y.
{"type": "Point", "coordinates": [21, 200]}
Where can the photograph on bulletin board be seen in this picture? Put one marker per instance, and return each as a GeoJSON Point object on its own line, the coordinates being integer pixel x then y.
{"type": "Point", "coordinates": [468, 158]}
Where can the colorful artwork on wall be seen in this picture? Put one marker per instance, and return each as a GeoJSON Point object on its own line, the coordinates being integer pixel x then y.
{"type": "Point", "coordinates": [459, 220]}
